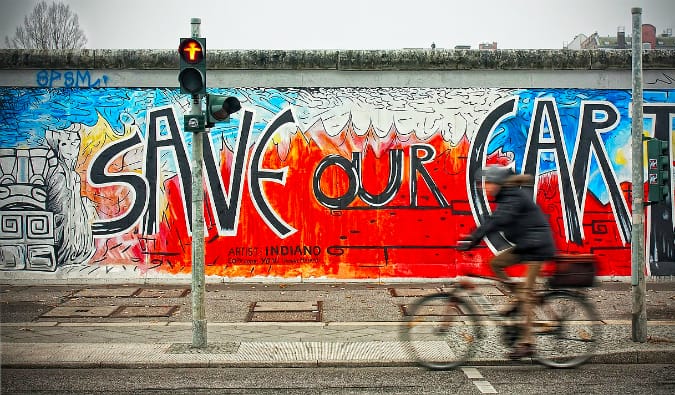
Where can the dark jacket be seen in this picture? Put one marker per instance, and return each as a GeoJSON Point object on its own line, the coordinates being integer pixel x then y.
{"type": "Point", "coordinates": [521, 221]}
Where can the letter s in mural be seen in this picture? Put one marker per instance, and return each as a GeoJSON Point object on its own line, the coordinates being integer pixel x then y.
{"type": "Point", "coordinates": [348, 183]}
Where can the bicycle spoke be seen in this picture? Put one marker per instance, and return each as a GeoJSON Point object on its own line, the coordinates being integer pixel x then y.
{"type": "Point", "coordinates": [567, 330]}
{"type": "Point", "coordinates": [437, 332]}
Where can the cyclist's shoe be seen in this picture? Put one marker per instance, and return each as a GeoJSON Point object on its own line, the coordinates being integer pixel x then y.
{"type": "Point", "coordinates": [465, 284]}
{"type": "Point", "coordinates": [511, 286]}
{"type": "Point", "coordinates": [510, 310]}
{"type": "Point", "coordinates": [523, 350]}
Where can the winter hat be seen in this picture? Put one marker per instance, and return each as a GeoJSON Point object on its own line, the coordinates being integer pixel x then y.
{"type": "Point", "coordinates": [496, 174]}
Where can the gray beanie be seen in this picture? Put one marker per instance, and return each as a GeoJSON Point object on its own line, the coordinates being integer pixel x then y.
{"type": "Point", "coordinates": [496, 174]}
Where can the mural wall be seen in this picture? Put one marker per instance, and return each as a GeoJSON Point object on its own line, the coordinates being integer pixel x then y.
{"type": "Point", "coordinates": [348, 183]}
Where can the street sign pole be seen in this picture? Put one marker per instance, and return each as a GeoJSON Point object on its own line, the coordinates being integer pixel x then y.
{"type": "Point", "coordinates": [192, 80]}
{"type": "Point", "coordinates": [198, 279]}
{"type": "Point", "coordinates": [638, 286]}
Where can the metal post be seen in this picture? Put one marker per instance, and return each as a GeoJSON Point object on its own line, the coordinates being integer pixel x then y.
{"type": "Point", "coordinates": [198, 314]}
{"type": "Point", "coordinates": [638, 286]}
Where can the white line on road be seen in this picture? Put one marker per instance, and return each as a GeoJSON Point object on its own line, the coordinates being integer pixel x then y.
{"type": "Point", "coordinates": [483, 386]}
{"type": "Point", "coordinates": [472, 373]}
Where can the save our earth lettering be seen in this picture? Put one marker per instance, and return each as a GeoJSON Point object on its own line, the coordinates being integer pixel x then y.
{"type": "Point", "coordinates": [595, 118]}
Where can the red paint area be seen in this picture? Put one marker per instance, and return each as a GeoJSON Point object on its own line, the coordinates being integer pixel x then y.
{"type": "Point", "coordinates": [359, 242]}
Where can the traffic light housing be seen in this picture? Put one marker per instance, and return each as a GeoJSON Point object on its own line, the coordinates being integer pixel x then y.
{"type": "Point", "coordinates": [192, 75]}
{"type": "Point", "coordinates": [658, 170]}
{"type": "Point", "coordinates": [219, 108]}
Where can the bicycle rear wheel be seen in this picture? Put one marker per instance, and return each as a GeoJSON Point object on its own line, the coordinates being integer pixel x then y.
{"type": "Point", "coordinates": [567, 329]}
{"type": "Point", "coordinates": [440, 331]}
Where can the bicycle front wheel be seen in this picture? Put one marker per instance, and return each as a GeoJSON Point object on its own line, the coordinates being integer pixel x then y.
{"type": "Point", "coordinates": [567, 329]}
{"type": "Point", "coordinates": [440, 331]}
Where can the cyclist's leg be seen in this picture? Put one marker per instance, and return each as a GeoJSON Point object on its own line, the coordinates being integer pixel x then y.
{"type": "Point", "coordinates": [525, 346]}
{"type": "Point", "coordinates": [503, 260]}
{"type": "Point", "coordinates": [500, 262]}
{"type": "Point", "coordinates": [526, 296]}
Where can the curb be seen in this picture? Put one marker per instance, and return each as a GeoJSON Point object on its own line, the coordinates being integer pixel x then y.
{"type": "Point", "coordinates": [638, 357]}
{"type": "Point", "coordinates": [635, 357]}
{"type": "Point", "coordinates": [614, 358]}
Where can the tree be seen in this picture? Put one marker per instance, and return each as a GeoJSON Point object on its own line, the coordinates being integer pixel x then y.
{"type": "Point", "coordinates": [52, 26]}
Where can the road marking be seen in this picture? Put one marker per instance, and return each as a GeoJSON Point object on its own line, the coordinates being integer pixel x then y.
{"type": "Point", "coordinates": [472, 373]}
{"type": "Point", "coordinates": [483, 386]}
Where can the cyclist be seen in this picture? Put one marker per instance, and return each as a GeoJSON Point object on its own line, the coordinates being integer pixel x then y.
{"type": "Point", "coordinates": [526, 227]}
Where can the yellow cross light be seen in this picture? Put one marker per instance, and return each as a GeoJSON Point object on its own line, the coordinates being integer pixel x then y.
{"type": "Point", "coordinates": [192, 51]}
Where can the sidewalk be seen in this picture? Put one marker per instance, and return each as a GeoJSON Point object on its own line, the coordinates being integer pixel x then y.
{"type": "Point", "coordinates": [282, 325]}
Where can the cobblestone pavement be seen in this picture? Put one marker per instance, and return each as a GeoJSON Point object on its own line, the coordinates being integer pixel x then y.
{"type": "Point", "coordinates": [301, 324]}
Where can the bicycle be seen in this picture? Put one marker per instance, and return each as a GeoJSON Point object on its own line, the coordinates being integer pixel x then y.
{"type": "Point", "coordinates": [442, 330]}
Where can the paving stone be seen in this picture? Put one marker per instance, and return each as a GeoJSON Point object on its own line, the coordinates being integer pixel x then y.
{"type": "Point", "coordinates": [217, 348]}
{"type": "Point", "coordinates": [163, 293]}
{"type": "Point", "coordinates": [285, 306]}
{"type": "Point", "coordinates": [487, 290]}
{"type": "Point", "coordinates": [661, 312]}
{"type": "Point", "coordinates": [106, 293]}
{"type": "Point", "coordinates": [285, 311]}
{"type": "Point", "coordinates": [412, 292]}
{"type": "Point", "coordinates": [431, 310]}
{"type": "Point", "coordinates": [146, 311]}
{"type": "Point", "coordinates": [285, 316]}
{"type": "Point", "coordinates": [80, 312]}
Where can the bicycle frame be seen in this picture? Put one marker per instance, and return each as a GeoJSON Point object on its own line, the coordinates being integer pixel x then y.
{"type": "Point", "coordinates": [564, 322]}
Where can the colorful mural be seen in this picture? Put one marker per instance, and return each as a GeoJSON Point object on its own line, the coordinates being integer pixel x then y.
{"type": "Point", "coordinates": [349, 183]}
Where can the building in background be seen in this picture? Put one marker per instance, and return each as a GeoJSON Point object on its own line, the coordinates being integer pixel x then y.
{"type": "Point", "coordinates": [492, 45]}
{"type": "Point", "coordinates": [650, 40]}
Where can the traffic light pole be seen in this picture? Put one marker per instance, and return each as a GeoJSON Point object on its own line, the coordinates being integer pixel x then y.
{"type": "Point", "coordinates": [638, 285]}
{"type": "Point", "coordinates": [198, 279]}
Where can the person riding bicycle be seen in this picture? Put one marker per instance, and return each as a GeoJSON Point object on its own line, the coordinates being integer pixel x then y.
{"type": "Point", "coordinates": [526, 227]}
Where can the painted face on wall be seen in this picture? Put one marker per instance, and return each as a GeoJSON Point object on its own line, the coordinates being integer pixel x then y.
{"type": "Point", "coordinates": [69, 146]}
{"type": "Point", "coordinates": [66, 144]}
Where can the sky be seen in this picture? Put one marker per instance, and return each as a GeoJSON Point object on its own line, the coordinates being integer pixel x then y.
{"type": "Point", "coordinates": [347, 24]}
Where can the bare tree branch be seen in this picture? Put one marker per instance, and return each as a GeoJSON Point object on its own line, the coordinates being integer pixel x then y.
{"type": "Point", "coordinates": [52, 26]}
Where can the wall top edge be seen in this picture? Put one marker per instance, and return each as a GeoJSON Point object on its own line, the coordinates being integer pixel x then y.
{"type": "Point", "coordinates": [344, 60]}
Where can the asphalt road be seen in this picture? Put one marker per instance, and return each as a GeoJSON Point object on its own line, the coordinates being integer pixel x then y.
{"type": "Point", "coordinates": [511, 379]}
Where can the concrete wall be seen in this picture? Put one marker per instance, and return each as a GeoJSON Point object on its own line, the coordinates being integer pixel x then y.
{"type": "Point", "coordinates": [404, 68]}
{"type": "Point", "coordinates": [351, 165]}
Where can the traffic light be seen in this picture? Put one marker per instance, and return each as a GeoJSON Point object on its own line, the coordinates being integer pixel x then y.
{"type": "Point", "coordinates": [658, 171]}
{"type": "Point", "coordinates": [219, 108]}
{"type": "Point", "coordinates": [192, 75]}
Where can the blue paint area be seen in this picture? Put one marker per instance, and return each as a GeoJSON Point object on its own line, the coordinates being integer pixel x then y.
{"type": "Point", "coordinates": [266, 103]}
{"type": "Point", "coordinates": [512, 134]}
{"type": "Point", "coordinates": [568, 103]}
{"type": "Point", "coordinates": [27, 113]}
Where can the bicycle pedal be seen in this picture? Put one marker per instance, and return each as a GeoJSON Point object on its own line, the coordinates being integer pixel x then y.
{"type": "Point", "coordinates": [465, 284]}
{"type": "Point", "coordinates": [510, 311]}
{"type": "Point", "coordinates": [521, 352]}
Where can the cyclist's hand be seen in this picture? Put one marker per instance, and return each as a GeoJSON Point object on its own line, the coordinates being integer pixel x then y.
{"type": "Point", "coordinates": [464, 245]}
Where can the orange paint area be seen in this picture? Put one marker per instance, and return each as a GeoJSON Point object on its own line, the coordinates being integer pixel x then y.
{"type": "Point", "coordinates": [400, 239]}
